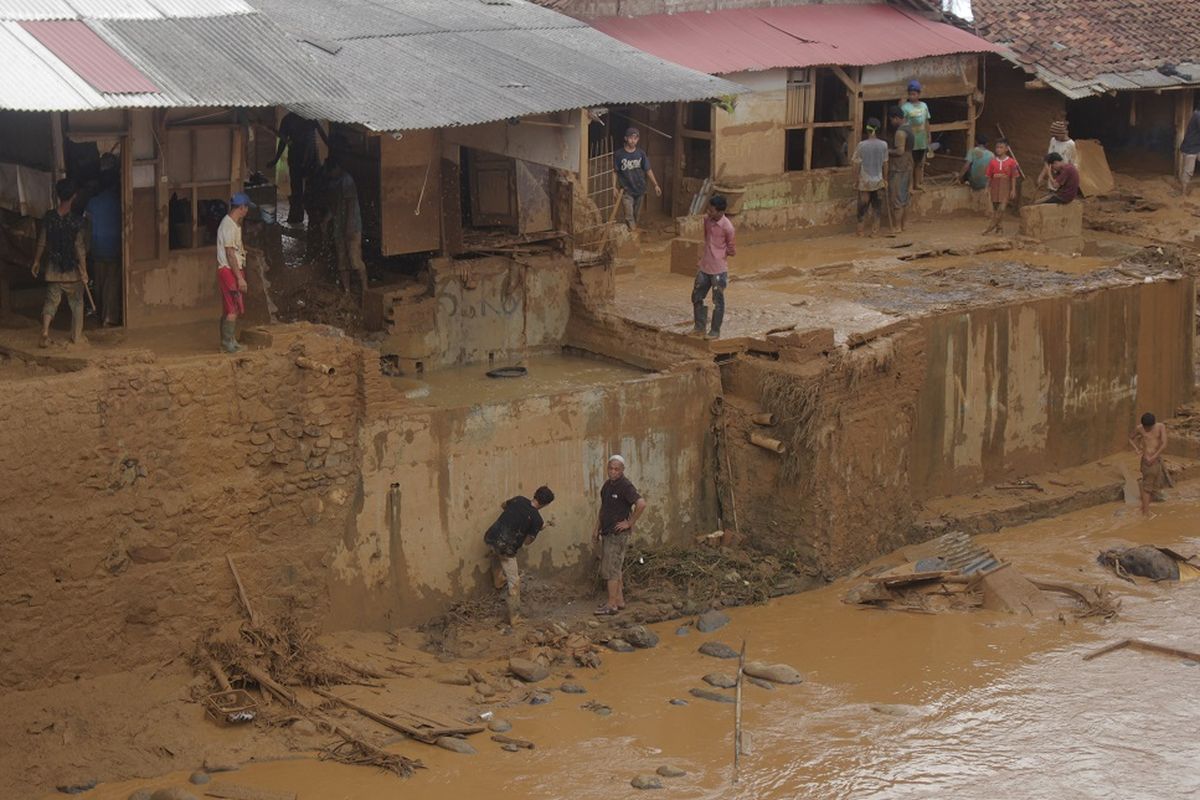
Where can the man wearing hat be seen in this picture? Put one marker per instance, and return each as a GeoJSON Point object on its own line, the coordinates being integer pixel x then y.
{"type": "Point", "coordinates": [1064, 145]}
{"type": "Point", "coordinates": [620, 507]}
{"type": "Point", "coordinates": [231, 270]}
{"type": "Point", "coordinates": [916, 114]}
{"type": "Point", "coordinates": [633, 170]}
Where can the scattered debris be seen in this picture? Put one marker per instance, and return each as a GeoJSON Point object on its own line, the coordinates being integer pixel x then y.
{"type": "Point", "coordinates": [1149, 561]}
{"type": "Point", "coordinates": [508, 740]}
{"type": "Point", "coordinates": [1142, 644]}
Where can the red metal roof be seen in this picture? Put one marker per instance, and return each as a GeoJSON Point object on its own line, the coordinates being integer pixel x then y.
{"type": "Point", "coordinates": [89, 56]}
{"type": "Point", "coordinates": [752, 39]}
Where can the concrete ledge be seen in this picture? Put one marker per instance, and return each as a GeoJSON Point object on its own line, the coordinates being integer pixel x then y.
{"type": "Point", "coordinates": [685, 255]}
{"type": "Point", "coordinates": [1059, 227]}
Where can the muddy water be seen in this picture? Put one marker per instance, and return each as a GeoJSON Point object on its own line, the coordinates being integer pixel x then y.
{"type": "Point", "coordinates": [991, 705]}
{"type": "Point", "coordinates": [547, 374]}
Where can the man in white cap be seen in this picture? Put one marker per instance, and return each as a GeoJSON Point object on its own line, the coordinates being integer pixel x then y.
{"type": "Point", "coordinates": [620, 507]}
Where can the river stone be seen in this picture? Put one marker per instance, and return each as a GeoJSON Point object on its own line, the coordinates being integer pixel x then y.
{"type": "Point", "coordinates": [667, 771]}
{"type": "Point", "coordinates": [540, 698]}
{"type": "Point", "coordinates": [646, 782]}
{"type": "Point", "coordinates": [499, 725]}
{"type": "Point", "coordinates": [212, 765]}
{"type": "Point", "coordinates": [720, 680]}
{"type": "Point", "coordinates": [456, 745]}
{"type": "Point", "coordinates": [759, 682]}
{"type": "Point", "coordinates": [199, 778]}
{"type": "Point", "coordinates": [675, 701]}
{"type": "Point", "coordinates": [512, 748]}
{"type": "Point", "coordinates": [776, 673]}
{"type": "Point", "coordinates": [77, 786]}
{"type": "Point", "coordinates": [638, 636]}
{"type": "Point", "coordinates": [140, 794]}
{"type": "Point", "coordinates": [620, 645]}
{"type": "Point", "coordinates": [528, 671]}
{"type": "Point", "coordinates": [710, 621]}
{"type": "Point", "coordinates": [683, 630]}
{"type": "Point", "coordinates": [173, 794]}
{"type": "Point", "coordinates": [572, 688]}
{"type": "Point", "coordinates": [705, 694]}
{"type": "Point", "coordinates": [718, 650]}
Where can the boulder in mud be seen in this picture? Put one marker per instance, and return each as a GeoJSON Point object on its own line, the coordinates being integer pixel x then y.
{"type": "Point", "coordinates": [716, 697]}
{"type": "Point", "coordinates": [775, 673]}
{"type": "Point", "coordinates": [646, 782]}
{"type": "Point", "coordinates": [640, 637]}
{"type": "Point", "coordinates": [528, 671]}
{"type": "Point", "coordinates": [77, 785]}
{"type": "Point", "coordinates": [572, 688]}
{"type": "Point", "coordinates": [760, 683]}
{"type": "Point", "coordinates": [683, 630]}
{"type": "Point", "coordinates": [718, 650]}
{"type": "Point", "coordinates": [212, 765]}
{"type": "Point", "coordinates": [619, 645]}
{"type": "Point", "coordinates": [499, 725]}
{"type": "Point", "coordinates": [710, 621]}
{"type": "Point", "coordinates": [1145, 561]}
{"type": "Point", "coordinates": [540, 698]}
{"type": "Point", "coordinates": [199, 778]}
{"type": "Point", "coordinates": [456, 745]}
{"type": "Point", "coordinates": [675, 701]}
{"type": "Point", "coordinates": [720, 680]}
{"type": "Point", "coordinates": [667, 771]}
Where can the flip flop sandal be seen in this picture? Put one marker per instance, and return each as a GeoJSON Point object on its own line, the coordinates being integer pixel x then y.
{"type": "Point", "coordinates": [605, 611]}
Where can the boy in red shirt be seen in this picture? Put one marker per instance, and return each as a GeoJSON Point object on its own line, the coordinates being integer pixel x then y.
{"type": "Point", "coordinates": [1002, 174]}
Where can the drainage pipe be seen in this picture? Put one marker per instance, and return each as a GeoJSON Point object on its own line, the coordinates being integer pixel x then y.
{"type": "Point", "coordinates": [767, 443]}
{"type": "Point", "coordinates": [304, 362]}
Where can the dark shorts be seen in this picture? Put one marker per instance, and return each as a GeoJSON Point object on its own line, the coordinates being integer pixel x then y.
{"type": "Point", "coordinates": [918, 156]}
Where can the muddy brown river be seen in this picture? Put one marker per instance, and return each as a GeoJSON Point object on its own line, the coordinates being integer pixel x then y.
{"type": "Point", "coordinates": [967, 705]}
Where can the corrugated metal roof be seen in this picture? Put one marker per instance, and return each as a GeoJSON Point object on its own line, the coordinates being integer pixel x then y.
{"type": "Point", "coordinates": [235, 60]}
{"type": "Point", "coordinates": [120, 9]}
{"type": "Point", "coordinates": [753, 39]}
{"type": "Point", "coordinates": [89, 56]}
{"type": "Point", "coordinates": [442, 63]}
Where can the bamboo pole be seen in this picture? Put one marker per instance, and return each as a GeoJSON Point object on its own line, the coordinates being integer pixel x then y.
{"type": "Point", "coordinates": [242, 592]}
{"type": "Point", "coordinates": [767, 443]}
{"type": "Point", "coordinates": [737, 715]}
{"type": "Point", "coordinates": [764, 418]}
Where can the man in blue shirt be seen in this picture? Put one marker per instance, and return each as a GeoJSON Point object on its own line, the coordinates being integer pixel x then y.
{"type": "Point", "coordinates": [103, 213]}
{"type": "Point", "coordinates": [633, 170]}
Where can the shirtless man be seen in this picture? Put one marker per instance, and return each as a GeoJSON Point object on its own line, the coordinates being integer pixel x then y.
{"type": "Point", "coordinates": [1149, 440]}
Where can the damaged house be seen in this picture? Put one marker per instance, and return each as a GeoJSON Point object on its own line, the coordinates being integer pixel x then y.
{"type": "Point", "coordinates": [817, 72]}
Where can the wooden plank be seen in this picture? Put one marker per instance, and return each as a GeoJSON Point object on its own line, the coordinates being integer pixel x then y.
{"type": "Point", "coordinates": [426, 730]}
{"type": "Point", "coordinates": [895, 581]}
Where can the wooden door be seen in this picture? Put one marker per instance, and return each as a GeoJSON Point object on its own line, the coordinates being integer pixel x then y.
{"type": "Point", "coordinates": [493, 183]}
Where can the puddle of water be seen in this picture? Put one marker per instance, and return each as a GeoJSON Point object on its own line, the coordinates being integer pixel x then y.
{"type": "Point", "coordinates": [547, 374]}
{"type": "Point", "coordinates": [990, 705]}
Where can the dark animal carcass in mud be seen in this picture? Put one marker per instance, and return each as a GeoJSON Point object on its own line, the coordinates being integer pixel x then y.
{"type": "Point", "coordinates": [1145, 561]}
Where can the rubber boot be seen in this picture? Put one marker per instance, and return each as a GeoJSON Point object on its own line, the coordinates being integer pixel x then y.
{"type": "Point", "coordinates": [229, 336]}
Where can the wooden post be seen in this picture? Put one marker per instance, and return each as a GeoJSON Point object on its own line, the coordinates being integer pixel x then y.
{"type": "Point", "coordinates": [737, 714]}
{"type": "Point", "coordinates": [584, 145]}
{"type": "Point", "coordinates": [1183, 112]}
{"type": "Point", "coordinates": [677, 197]}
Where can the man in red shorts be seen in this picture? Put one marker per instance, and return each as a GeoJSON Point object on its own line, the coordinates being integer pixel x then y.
{"type": "Point", "coordinates": [231, 270]}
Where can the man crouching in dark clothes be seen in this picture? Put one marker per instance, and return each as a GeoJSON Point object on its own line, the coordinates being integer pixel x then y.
{"type": "Point", "coordinates": [519, 523]}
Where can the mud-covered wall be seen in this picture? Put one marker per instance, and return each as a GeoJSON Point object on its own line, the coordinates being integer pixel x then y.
{"type": "Point", "coordinates": [420, 545]}
{"type": "Point", "coordinates": [125, 487]}
{"type": "Point", "coordinates": [1048, 384]}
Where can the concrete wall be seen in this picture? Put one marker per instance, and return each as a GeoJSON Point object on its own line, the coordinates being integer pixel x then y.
{"type": "Point", "coordinates": [454, 466]}
{"type": "Point", "coordinates": [749, 143]}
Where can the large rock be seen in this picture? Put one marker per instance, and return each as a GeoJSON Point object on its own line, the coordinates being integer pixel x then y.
{"type": "Point", "coordinates": [499, 725]}
{"type": "Point", "coordinates": [528, 671]}
{"type": "Point", "coordinates": [776, 673]}
{"type": "Point", "coordinates": [620, 645]}
{"type": "Point", "coordinates": [639, 636]}
{"type": "Point", "coordinates": [456, 745]}
{"type": "Point", "coordinates": [1145, 561]}
{"type": "Point", "coordinates": [718, 650]}
{"type": "Point", "coordinates": [667, 771]}
{"type": "Point", "coordinates": [716, 697]}
{"type": "Point", "coordinates": [77, 785]}
{"type": "Point", "coordinates": [710, 621]}
{"type": "Point", "coordinates": [646, 782]}
{"type": "Point", "coordinates": [572, 688]}
{"type": "Point", "coordinates": [199, 778]}
{"type": "Point", "coordinates": [720, 680]}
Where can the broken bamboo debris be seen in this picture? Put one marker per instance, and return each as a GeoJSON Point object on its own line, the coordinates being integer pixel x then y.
{"type": "Point", "coordinates": [304, 362]}
{"type": "Point", "coordinates": [500, 738]}
{"type": "Point", "coordinates": [767, 443]}
{"type": "Point", "coordinates": [737, 713]}
{"type": "Point", "coordinates": [764, 418]}
{"type": "Point", "coordinates": [1142, 644]}
{"type": "Point", "coordinates": [242, 591]}
{"type": "Point", "coordinates": [428, 732]}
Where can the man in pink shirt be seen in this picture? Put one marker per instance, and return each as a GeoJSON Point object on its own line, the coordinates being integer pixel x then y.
{"type": "Point", "coordinates": [714, 267]}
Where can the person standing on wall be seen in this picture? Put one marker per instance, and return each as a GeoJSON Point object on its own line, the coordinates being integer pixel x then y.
{"type": "Point", "coordinates": [620, 508]}
{"type": "Point", "coordinates": [870, 163]}
{"type": "Point", "coordinates": [1064, 145]}
{"type": "Point", "coordinates": [713, 269]}
{"type": "Point", "coordinates": [917, 115]}
{"type": "Point", "coordinates": [900, 167]}
{"type": "Point", "coordinates": [1002, 174]}
{"type": "Point", "coordinates": [62, 239]}
{"type": "Point", "coordinates": [1189, 149]}
{"type": "Point", "coordinates": [1149, 440]}
{"type": "Point", "coordinates": [103, 212]}
{"type": "Point", "coordinates": [519, 523]}
{"type": "Point", "coordinates": [633, 170]}
{"type": "Point", "coordinates": [299, 136]}
{"type": "Point", "coordinates": [231, 270]}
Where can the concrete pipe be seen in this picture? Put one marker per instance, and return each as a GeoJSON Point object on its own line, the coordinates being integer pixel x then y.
{"type": "Point", "coordinates": [765, 418]}
{"type": "Point", "coordinates": [767, 443]}
{"type": "Point", "coordinates": [304, 362]}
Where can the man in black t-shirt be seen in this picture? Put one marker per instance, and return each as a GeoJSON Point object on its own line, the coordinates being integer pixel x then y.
{"type": "Point", "coordinates": [632, 167]}
{"type": "Point", "coordinates": [519, 523]}
{"type": "Point", "coordinates": [299, 136]}
{"type": "Point", "coordinates": [620, 507]}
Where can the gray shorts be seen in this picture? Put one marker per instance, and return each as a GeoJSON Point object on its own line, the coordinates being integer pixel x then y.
{"type": "Point", "coordinates": [612, 555]}
{"type": "Point", "coordinates": [57, 290]}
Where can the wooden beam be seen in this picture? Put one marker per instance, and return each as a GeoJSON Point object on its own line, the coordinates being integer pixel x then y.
{"type": "Point", "coordinates": [841, 75]}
